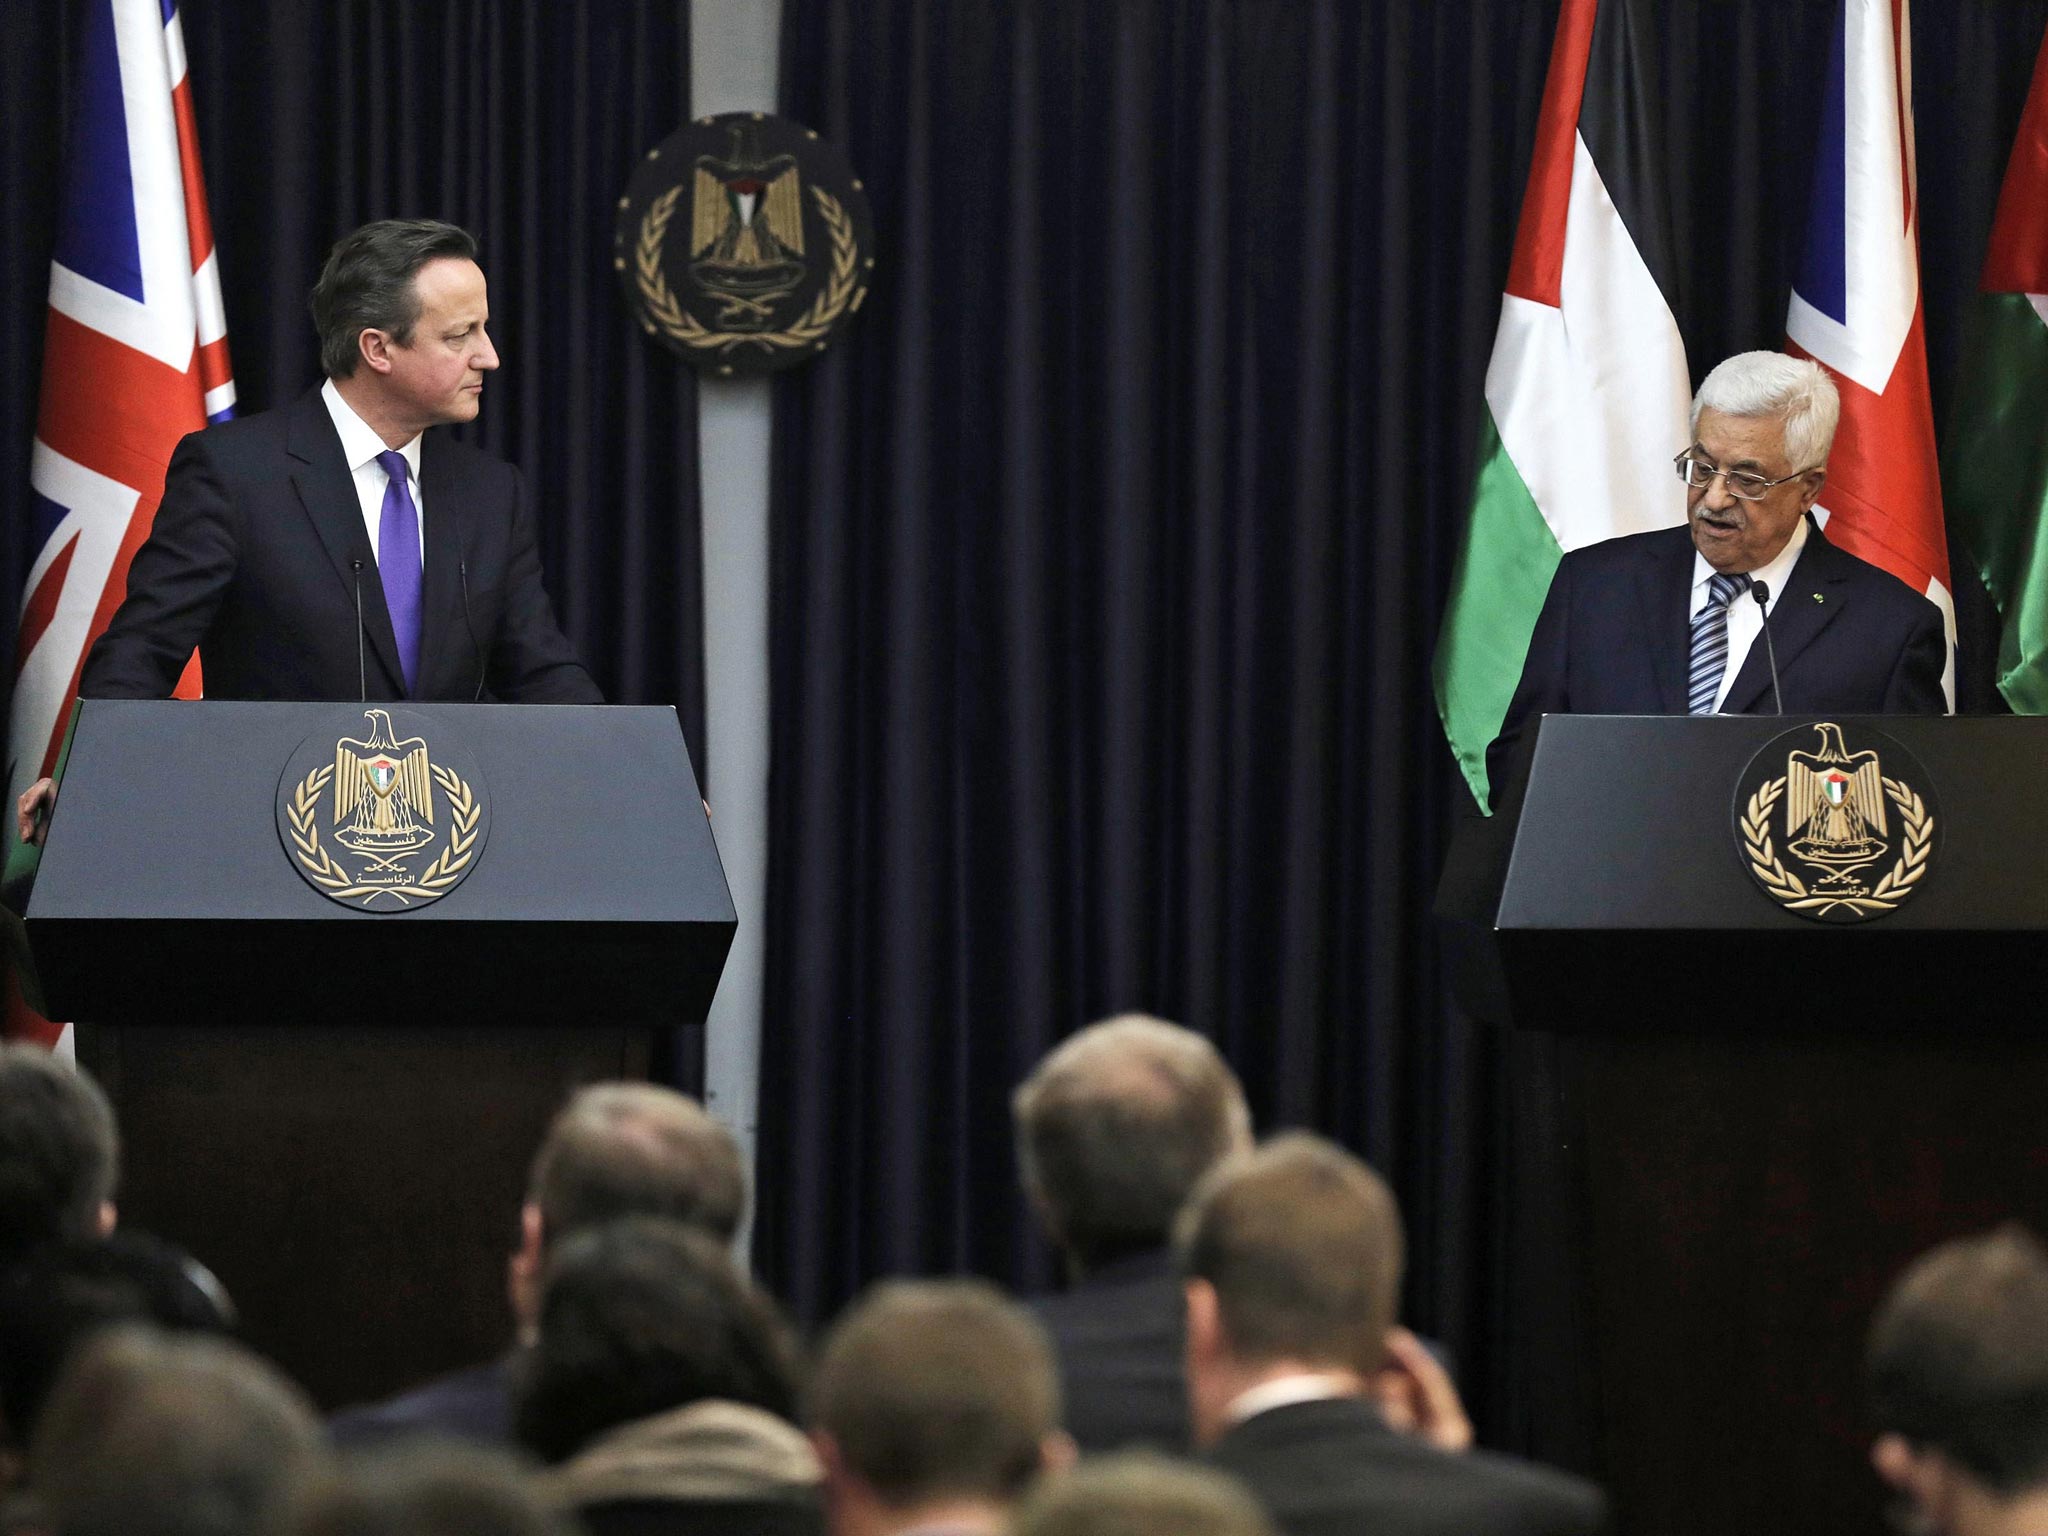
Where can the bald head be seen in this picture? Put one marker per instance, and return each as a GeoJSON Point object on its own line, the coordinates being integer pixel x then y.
{"type": "Point", "coordinates": [635, 1149]}
{"type": "Point", "coordinates": [1116, 1127]}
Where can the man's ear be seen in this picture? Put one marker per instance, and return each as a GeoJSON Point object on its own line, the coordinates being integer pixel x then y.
{"type": "Point", "coordinates": [523, 1269]}
{"type": "Point", "coordinates": [1920, 1476]}
{"type": "Point", "coordinates": [1809, 492]}
{"type": "Point", "coordinates": [374, 346]}
{"type": "Point", "coordinates": [838, 1479]}
{"type": "Point", "coordinates": [1057, 1453]}
{"type": "Point", "coordinates": [1206, 1338]}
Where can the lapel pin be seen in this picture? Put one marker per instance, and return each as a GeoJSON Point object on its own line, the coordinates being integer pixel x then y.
{"type": "Point", "coordinates": [1818, 598]}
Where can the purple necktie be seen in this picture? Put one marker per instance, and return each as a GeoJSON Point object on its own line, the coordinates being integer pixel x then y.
{"type": "Point", "coordinates": [398, 562]}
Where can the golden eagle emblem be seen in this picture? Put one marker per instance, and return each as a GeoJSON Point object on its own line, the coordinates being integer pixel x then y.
{"type": "Point", "coordinates": [745, 242]}
{"type": "Point", "coordinates": [398, 830]}
{"type": "Point", "coordinates": [1841, 813]}
{"type": "Point", "coordinates": [1836, 799]}
{"type": "Point", "coordinates": [747, 230]}
{"type": "Point", "coordinates": [383, 794]}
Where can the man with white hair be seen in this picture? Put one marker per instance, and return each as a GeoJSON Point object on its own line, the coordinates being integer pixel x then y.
{"type": "Point", "coordinates": [1664, 623]}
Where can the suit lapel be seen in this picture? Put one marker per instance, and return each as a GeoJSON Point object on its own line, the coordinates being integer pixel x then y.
{"type": "Point", "coordinates": [447, 510]}
{"type": "Point", "coordinates": [1815, 592]}
{"type": "Point", "coordinates": [327, 491]}
{"type": "Point", "coordinates": [1663, 584]}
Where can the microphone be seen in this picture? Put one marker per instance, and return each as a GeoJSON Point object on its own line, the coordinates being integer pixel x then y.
{"type": "Point", "coordinates": [1761, 591]}
{"type": "Point", "coordinates": [462, 569]}
{"type": "Point", "coordinates": [362, 669]}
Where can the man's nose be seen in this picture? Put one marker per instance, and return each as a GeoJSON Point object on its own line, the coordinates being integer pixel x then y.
{"type": "Point", "coordinates": [1717, 497]}
{"type": "Point", "coordinates": [487, 354]}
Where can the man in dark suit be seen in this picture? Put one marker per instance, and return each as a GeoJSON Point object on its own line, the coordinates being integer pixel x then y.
{"type": "Point", "coordinates": [1114, 1130]}
{"type": "Point", "coordinates": [1669, 622]}
{"type": "Point", "coordinates": [1299, 1382]}
{"type": "Point", "coordinates": [616, 1149]}
{"type": "Point", "coordinates": [336, 548]}
{"type": "Point", "coordinates": [272, 527]}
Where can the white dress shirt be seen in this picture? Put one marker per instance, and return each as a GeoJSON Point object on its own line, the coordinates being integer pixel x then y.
{"type": "Point", "coordinates": [1285, 1391]}
{"type": "Point", "coordinates": [1743, 619]}
{"type": "Point", "coordinates": [360, 446]}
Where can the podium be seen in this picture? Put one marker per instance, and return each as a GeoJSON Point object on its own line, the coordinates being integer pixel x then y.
{"type": "Point", "coordinates": [331, 1069]}
{"type": "Point", "coordinates": [1741, 1120]}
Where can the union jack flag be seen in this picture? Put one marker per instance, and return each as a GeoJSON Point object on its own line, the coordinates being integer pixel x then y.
{"type": "Point", "coordinates": [135, 354]}
{"type": "Point", "coordinates": [1856, 309]}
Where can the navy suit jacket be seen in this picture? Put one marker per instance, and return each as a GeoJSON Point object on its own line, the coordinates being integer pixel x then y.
{"type": "Point", "coordinates": [475, 1404]}
{"type": "Point", "coordinates": [1334, 1468]}
{"type": "Point", "coordinates": [257, 553]}
{"type": "Point", "coordinates": [1612, 639]}
{"type": "Point", "coordinates": [1118, 1336]}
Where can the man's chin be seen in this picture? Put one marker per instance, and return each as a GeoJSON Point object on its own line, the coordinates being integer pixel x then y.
{"type": "Point", "coordinates": [1719, 547]}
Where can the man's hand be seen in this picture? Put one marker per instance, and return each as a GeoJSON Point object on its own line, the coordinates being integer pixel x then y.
{"type": "Point", "coordinates": [1416, 1396]}
{"type": "Point", "coordinates": [32, 811]}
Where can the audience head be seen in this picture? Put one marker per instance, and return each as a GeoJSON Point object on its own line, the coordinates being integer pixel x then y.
{"type": "Point", "coordinates": [933, 1393]}
{"type": "Point", "coordinates": [59, 1152]}
{"type": "Point", "coordinates": [424, 1488]}
{"type": "Point", "coordinates": [640, 1316]}
{"type": "Point", "coordinates": [1958, 1376]}
{"type": "Point", "coordinates": [156, 1435]}
{"type": "Point", "coordinates": [64, 1293]}
{"type": "Point", "coordinates": [626, 1149]}
{"type": "Point", "coordinates": [1133, 1493]}
{"type": "Point", "coordinates": [1116, 1126]}
{"type": "Point", "coordinates": [1292, 1256]}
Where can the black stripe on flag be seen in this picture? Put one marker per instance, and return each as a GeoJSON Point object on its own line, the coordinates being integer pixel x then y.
{"type": "Point", "coordinates": [1619, 120]}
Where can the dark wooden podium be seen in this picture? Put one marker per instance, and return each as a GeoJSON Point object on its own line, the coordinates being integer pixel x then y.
{"type": "Point", "coordinates": [1751, 1120]}
{"type": "Point", "coordinates": [335, 1107]}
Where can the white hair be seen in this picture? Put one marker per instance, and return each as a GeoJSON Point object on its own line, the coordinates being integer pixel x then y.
{"type": "Point", "coordinates": [1794, 390]}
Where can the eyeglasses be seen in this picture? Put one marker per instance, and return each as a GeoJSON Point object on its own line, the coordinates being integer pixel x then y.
{"type": "Point", "coordinates": [1699, 474]}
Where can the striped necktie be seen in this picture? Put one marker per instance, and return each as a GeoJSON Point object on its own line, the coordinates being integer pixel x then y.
{"type": "Point", "coordinates": [1710, 643]}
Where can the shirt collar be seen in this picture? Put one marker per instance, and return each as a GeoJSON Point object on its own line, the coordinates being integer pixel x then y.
{"type": "Point", "coordinates": [1775, 573]}
{"type": "Point", "coordinates": [1285, 1391]}
{"type": "Point", "coordinates": [360, 443]}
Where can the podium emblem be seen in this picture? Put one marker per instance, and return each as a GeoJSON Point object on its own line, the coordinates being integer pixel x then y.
{"type": "Point", "coordinates": [1837, 831]}
{"type": "Point", "coordinates": [382, 820]}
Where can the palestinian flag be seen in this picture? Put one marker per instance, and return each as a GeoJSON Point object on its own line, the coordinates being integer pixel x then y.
{"type": "Point", "coordinates": [1995, 464]}
{"type": "Point", "coordinates": [1587, 395]}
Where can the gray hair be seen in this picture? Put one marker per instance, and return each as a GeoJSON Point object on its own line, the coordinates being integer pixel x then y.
{"type": "Point", "coordinates": [154, 1435]}
{"type": "Point", "coordinates": [59, 1150]}
{"type": "Point", "coordinates": [1117, 1126]}
{"type": "Point", "coordinates": [637, 1149]}
{"type": "Point", "coordinates": [1795, 390]}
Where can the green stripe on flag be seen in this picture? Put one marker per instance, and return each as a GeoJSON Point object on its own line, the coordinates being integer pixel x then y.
{"type": "Point", "coordinates": [1995, 483]}
{"type": "Point", "coordinates": [1497, 589]}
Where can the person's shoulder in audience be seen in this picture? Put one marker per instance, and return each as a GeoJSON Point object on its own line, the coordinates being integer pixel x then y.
{"type": "Point", "coordinates": [1331, 1467]}
{"type": "Point", "coordinates": [1301, 1381]}
{"type": "Point", "coordinates": [473, 1404]}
